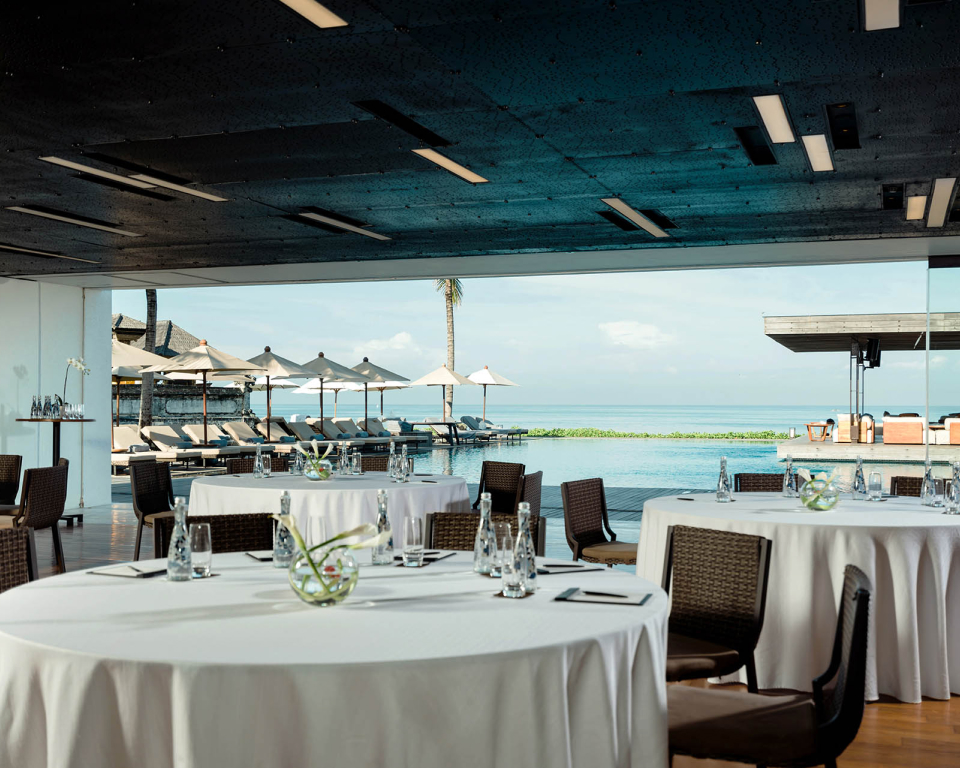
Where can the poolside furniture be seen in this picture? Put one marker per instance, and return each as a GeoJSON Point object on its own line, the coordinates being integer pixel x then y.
{"type": "Point", "coordinates": [531, 487]}
{"type": "Point", "coordinates": [303, 431]}
{"type": "Point", "coordinates": [448, 430]}
{"type": "Point", "coordinates": [375, 428]}
{"type": "Point", "coordinates": [243, 434]}
{"type": "Point", "coordinates": [903, 485]}
{"type": "Point", "coordinates": [785, 730]}
{"type": "Point", "coordinates": [375, 463]}
{"type": "Point", "coordinates": [502, 480]}
{"type": "Point", "coordinates": [228, 533]}
{"type": "Point", "coordinates": [217, 437]}
{"type": "Point", "coordinates": [903, 430]}
{"type": "Point", "coordinates": [214, 451]}
{"type": "Point", "coordinates": [847, 429]}
{"type": "Point", "coordinates": [758, 482]}
{"type": "Point", "coordinates": [952, 431]}
{"type": "Point", "coordinates": [717, 582]}
{"type": "Point", "coordinates": [41, 504]}
{"type": "Point", "coordinates": [585, 520]}
{"type": "Point", "coordinates": [280, 434]}
{"type": "Point", "coordinates": [474, 425]}
{"type": "Point", "coordinates": [152, 492]}
{"type": "Point", "coordinates": [818, 431]}
{"type": "Point", "coordinates": [18, 557]}
{"type": "Point", "coordinates": [517, 432]}
{"type": "Point", "coordinates": [458, 530]}
{"type": "Point", "coordinates": [171, 443]}
{"type": "Point", "coordinates": [402, 429]}
{"type": "Point", "coordinates": [10, 465]}
{"type": "Point", "coordinates": [244, 466]}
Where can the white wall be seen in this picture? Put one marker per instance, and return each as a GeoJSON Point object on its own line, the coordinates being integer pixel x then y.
{"type": "Point", "coordinates": [41, 325]}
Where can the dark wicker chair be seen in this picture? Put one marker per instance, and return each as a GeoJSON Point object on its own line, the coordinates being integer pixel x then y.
{"type": "Point", "coordinates": [718, 597]}
{"type": "Point", "coordinates": [18, 557]}
{"type": "Point", "coordinates": [585, 520]}
{"type": "Point", "coordinates": [41, 504]}
{"type": "Point", "coordinates": [10, 466]}
{"type": "Point", "coordinates": [758, 482]}
{"type": "Point", "coordinates": [152, 491]}
{"type": "Point", "coordinates": [901, 485]}
{"type": "Point", "coordinates": [374, 463]}
{"type": "Point", "coordinates": [531, 487]}
{"type": "Point", "coordinates": [501, 479]}
{"type": "Point", "coordinates": [789, 730]}
{"type": "Point", "coordinates": [244, 465]}
{"type": "Point", "coordinates": [228, 533]}
{"type": "Point", "coordinates": [457, 530]}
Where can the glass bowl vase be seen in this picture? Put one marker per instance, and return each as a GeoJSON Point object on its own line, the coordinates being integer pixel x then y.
{"type": "Point", "coordinates": [321, 470]}
{"type": "Point", "coordinates": [326, 578]}
{"type": "Point", "coordinates": [819, 495]}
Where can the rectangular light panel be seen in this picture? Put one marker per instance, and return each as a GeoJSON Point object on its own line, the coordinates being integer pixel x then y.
{"type": "Point", "coordinates": [343, 225]}
{"type": "Point", "coordinates": [635, 216]}
{"type": "Point", "coordinates": [139, 184]}
{"type": "Point", "coordinates": [178, 188]}
{"type": "Point", "coordinates": [940, 202]}
{"type": "Point", "coordinates": [315, 13]}
{"type": "Point", "coordinates": [818, 152]}
{"type": "Point", "coordinates": [881, 14]}
{"type": "Point", "coordinates": [68, 220]}
{"type": "Point", "coordinates": [915, 207]}
{"type": "Point", "coordinates": [448, 165]}
{"type": "Point", "coordinates": [46, 254]}
{"type": "Point", "coordinates": [774, 116]}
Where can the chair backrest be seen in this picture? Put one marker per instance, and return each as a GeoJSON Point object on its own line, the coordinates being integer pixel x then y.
{"type": "Point", "coordinates": [840, 707]}
{"type": "Point", "coordinates": [374, 426]}
{"type": "Point", "coordinates": [163, 436]}
{"type": "Point", "coordinates": [585, 514]}
{"type": "Point", "coordinates": [719, 584]}
{"type": "Point", "coordinates": [758, 482]}
{"type": "Point", "coordinates": [240, 431]}
{"type": "Point", "coordinates": [44, 496]}
{"type": "Point", "coordinates": [458, 530]}
{"type": "Point", "coordinates": [901, 485]}
{"type": "Point", "coordinates": [244, 465]}
{"type": "Point", "coordinates": [330, 430]}
{"type": "Point", "coordinates": [124, 436]}
{"type": "Point", "coordinates": [228, 533]}
{"type": "Point", "coordinates": [501, 479]}
{"type": "Point", "coordinates": [18, 557]}
{"type": "Point", "coordinates": [194, 433]}
{"type": "Point", "coordinates": [373, 463]}
{"type": "Point", "coordinates": [10, 466]}
{"type": "Point", "coordinates": [471, 422]}
{"type": "Point", "coordinates": [278, 429]}
{"type": "Point", "coordinates": [151, 488]}
{"type": "Point", "coordinates": [302, 430]}
{"type": "Point", "coordinates": [531, 487]}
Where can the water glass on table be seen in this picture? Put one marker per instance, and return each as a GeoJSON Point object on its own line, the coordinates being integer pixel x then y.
{"type": "Point", "coordinates": [501, 534]}
{"type": "Point", "coordinates": [201, 549]}
{"type": "Point", "coordinates": [875, 486]}
{"type": "Point", "coordinates": [511, 577]}
{"type": "Point", "coordinates": [412, 542]}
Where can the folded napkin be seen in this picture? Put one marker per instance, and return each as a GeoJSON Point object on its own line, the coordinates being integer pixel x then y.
{"type": "Point", "coordinates": [131, 571]}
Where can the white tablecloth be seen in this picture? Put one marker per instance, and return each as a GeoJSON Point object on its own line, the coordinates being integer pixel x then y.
{"type": "Point", "coordinates": [343, 502]}
{"type": "Point", "coordinates": [416, 669]}
{"type": "Point", "coordinates": [911, 554]}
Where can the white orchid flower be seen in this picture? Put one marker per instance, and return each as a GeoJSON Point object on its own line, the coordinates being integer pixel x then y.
{"type": "Point", "coordinates": [805, 474]}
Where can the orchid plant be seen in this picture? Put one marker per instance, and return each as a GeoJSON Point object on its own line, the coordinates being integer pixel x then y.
{"type": "Point", "coordinates": [315, 461]}
{"type": "Point", "coordinates": [73, 362]}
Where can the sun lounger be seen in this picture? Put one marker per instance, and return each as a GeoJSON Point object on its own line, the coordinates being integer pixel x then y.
{"type": "Point", "coordinates": [396, 428]}
{"type": "Point", "coordinates": [473, 424]}
{"type": "Point", "coordinates": [517, 432]}
{"type": "Point", "coordinates": [443, 430]}
{"type": "Point", "coordinates": [169, 441]}
{"type": "Point", "coordinates": [212, 451]}
{"type": "Point", "coordinates": [124, 460]}
{"type": "Point", "coordinates": [215, 435]}
{"type": "Point", "coordinates": [241, 432]}
{"type": "Point", "coordinates": [128, 439]}
{"type": "Point", "coordinates": [278, 432]}
{"type": "Point", "coordinates": [350, 427]}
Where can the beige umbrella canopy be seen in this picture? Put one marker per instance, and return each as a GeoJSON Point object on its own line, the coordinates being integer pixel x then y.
{"type": "Point", "coordinates": [443, 377]}
{"type": "Point", "coordinates": [126, 363]}
{"type": "Point", "coordinates": [205, 360]}
{"type": "Point", "coordinates": [487, 378]}
{"type": "Point", "coordinates": [375, 373]}
{"type": "Point", "coordinates": [274, 365]}
{"type": "Point", "coordinates": [326, 370]}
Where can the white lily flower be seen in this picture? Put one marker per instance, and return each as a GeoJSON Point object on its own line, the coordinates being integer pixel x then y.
{"type": "Point", "coordinates": [300, 449]}
{"type": "Point", "coordinates": [316, 448]}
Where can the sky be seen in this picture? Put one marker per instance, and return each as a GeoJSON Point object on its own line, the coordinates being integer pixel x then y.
{"type": "Point", "coordinates": [691, 337]}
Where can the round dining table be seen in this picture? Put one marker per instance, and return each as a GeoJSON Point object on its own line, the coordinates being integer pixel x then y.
{"type": "Point", "coordinates": [911, 554]}
{"type": "Point", "coordinates": [342, 502]}
{"type": "Point", "coordinates": [419, 668]}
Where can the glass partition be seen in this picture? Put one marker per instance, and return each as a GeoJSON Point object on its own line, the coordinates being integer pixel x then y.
{"type": "Point", "coordinates": [943, 362]}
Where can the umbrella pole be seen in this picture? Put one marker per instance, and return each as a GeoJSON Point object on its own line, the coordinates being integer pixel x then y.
{"type": "Point", "coordinates": [364, 403]}
{"type": "Point", "coordinates": [381, 402]}
{"type": "Point", "coordinates": [336, 394]}
{"type": "Point", "coordinates": [204, 407]}
{"type": "Point", "coordinates": [484, 402]}
{"type": "Point", "coordinates": [321, 402]}
{"type": "Point", "coordinates": [268, 409]}
{"type": "Point", "coordinates": [443, 402]}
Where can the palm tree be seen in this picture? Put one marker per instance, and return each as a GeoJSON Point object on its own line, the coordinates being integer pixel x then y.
{"type": "Point", "coordinates": [149, 344]}
{"type": "Point", "coordinates": [452, 290]}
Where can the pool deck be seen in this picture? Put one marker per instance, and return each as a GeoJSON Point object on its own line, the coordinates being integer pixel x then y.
{"type": "Point", "coordinates": [801, 448]}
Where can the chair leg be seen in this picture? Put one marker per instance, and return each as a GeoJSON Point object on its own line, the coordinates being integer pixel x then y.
{"type": "Point", "coordinates": [830, 762]}
{"type": "Point", "coordinates": [58, 548]}
{"type": "Point", "coordinates": [751, 674]}
{"type": "Point", "coordinates": [136, 548]}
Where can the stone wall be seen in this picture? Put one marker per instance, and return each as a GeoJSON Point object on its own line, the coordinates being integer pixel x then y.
{"type": "Point", "coordinates": [182, 403]}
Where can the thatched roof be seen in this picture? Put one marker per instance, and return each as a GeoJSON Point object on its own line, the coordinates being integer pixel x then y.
{"type": "Point", "coordinates": [172, 340]}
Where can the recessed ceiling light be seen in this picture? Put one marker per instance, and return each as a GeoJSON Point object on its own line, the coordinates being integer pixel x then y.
{"type": "Point", "coordinates": [881, 14]}
{"type": "Point", "coordinates": [915, 207]}
{"type": "Point", "coordinates": [774, 116]}
{"type": "Point", "coordinates": [139, 184]}
{"type": "Point", "coordinates": [46, 254]}
{"type": "Point", "coordinates": [343, 225]}
{"type": "Point", "coordinates": [178, 187]}
{"type": "Point", "coordinates": [80, 222]}
{"type": "Point", "coordinates": [939, 202]}
{"type": "Point", "coordinates": [315, 13]}
{"type": "Point", "coordinates": [448, 165]}
{"type": "Point", "coordinates": [635, 216]}
{"type": "Point", "coordinates": [818, 153]}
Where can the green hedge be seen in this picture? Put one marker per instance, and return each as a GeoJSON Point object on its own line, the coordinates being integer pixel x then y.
{"type": "Point", "coordinates": [593, 432]}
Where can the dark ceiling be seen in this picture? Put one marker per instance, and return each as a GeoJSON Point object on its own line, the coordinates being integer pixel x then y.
{"type": "Point", "coordinates": [559, 103]}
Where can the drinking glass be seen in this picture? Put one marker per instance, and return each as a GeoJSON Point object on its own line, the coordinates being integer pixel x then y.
{"type": "Point", "coordinates": [501, 535]}
{"type": "Point", "coordinates": [511, 582]}
{"type": "Point", "coordinates": [875, 486]}
{"type": "Point", "coordinates": [357, 466]}
{"type": "Point", "coordinates": [201, 550]}
{"type": "Point", "coordinates": [267, 466]}
{"type": "Point", "coordinates": [412, 542]}
{"type": "Point", "coordinates": [939, 493]}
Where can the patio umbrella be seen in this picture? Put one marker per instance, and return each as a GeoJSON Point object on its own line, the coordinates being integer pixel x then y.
{"type": "Point", "coordinates": [126, 363]}
{"type": "Point", "coordinates": [443, 377]}
{"type": "Point", "coordinates": [376, 386]}
{"type": "Point", "coordinates": [487, 378]}
{"type": "Point", "coordinates": [280, 367]}
{"type": "Point", "coordinates": [205, 360]}
{"type": "Point", "coordinates": [374, 373]}
{"type": "Point", "coordinates": [314, 386]}
{"type": "Point", "coordinates": [327, 370]}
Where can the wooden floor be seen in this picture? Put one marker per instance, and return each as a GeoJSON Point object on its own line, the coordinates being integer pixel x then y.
{"type": "Point", "coordinates": [893, 735]}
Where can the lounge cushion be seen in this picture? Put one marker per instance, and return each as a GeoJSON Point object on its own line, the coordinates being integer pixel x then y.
{"type": "Point", "coordinates": [689, 658]}
{"type": "Point", "coordinates": [6, 521]}
{"type": "Point", "coordinates": [287, 439]}
{"type": "Point", "coordinates": [741, 727]}
{"type": "Point", "coordinates": [611, 552]}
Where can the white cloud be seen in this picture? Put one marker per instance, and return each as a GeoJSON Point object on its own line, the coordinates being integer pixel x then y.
{"type": "Point", "coordinates": [630, 333]}
{"type": "Point", "coordinates": [936, 361]}
{"type": "Point", "coordinates": [400, 350]}
{"type": "Point", "coordinates": [671, 370]}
